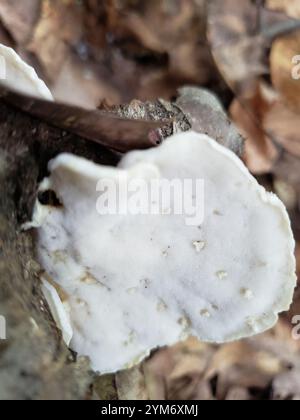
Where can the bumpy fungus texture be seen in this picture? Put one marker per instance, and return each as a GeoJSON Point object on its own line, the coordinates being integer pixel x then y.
{"type": "Point", "coordinates": [19, 76]}
{"type": "Point", "coordinates": [133, 283]}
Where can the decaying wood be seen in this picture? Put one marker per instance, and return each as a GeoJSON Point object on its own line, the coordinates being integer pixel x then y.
{"type": "Point", "coordinates": [34, 362]}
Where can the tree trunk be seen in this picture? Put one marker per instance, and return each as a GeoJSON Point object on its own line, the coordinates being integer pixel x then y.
{"type": "Point", "coordinates": [34, 362]}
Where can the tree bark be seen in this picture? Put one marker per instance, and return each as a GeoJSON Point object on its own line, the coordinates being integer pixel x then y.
{"type": "Point", "coordinates": [34, 362]}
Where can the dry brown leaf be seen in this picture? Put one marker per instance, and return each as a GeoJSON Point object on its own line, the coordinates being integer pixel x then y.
{"type": "Point", "coordinates": [237, 46]}
{"type": "Point", "coordinates": [238, 364]}
{"type": "Point", "coordinates": [248, 115]}
{"type": "Point", "coordinates": [187, 388]}
{"type": "Point", "coordinates": [165, 28]}
{"type": "Point", "coordinates": [240, 36]}
{"type": "Point", "coordinates": [287, 168]}
{"type": "Point", "coordinates": [283, 51]}
{"type": "Point", "coordinates": [290, 7]}
{"type": "Point", "coordinates": [78, 83]}
{"type": "Point", "coordinates": [203, 392]}
{"type": "Point", "coordinates": [176, 373]}
{"type": "Point", "coordinates": [286, 192]}
{"type": "Point", "coordinates": [287, 386]}
{"type": "Point", "coordinates": [279, 343]}
{"type": "Point", "coordinates": [19, 18]}
{"type": "Point", "coordinates": [238, 394]}
{"type": "Point", "coordinates": [123, 49]}
{"type": "Point", "coordinates": [237, 371]}
{"type": "Point", "coordinates": [283, 125]}
{"type": "Point", "coordinates": [188, 365]}
{"type": "Point", "coordinates": [131, 385]}
{"type": "Point", "coordinates": [171, 31]}
{"type": "Point", "coordinates": [59, 27]}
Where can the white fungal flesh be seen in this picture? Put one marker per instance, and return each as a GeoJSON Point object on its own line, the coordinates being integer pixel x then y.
{"type": "Point", "coordinates": [58, 311]}
{"type": "Point", "coordinates": [19, 76]}
{"type": "Point", "coordinates": [135, 283]}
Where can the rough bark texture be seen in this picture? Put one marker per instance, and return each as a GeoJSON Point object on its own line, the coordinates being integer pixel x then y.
{"type": "Point", "coordinates": [34, 363]}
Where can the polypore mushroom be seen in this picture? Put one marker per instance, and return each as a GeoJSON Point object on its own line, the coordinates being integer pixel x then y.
{"type": "Point", "coordinates": [133, 283]}
{"type": "Point", "coordinates": [19, 76]}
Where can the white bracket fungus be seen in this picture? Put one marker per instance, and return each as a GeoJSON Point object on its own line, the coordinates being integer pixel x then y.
{"type": "Point", "coordinates": [19, 76]}
{"type": "Point", "coordinates": [135, 283]}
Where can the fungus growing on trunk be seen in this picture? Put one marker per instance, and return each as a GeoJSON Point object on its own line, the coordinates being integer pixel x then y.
{"type": "Point", "coordinates": [133, 283]}
{"type": "Point", "coordinates": [126, 278]}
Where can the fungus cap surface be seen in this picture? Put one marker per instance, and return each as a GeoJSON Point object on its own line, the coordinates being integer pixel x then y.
{"type": "Point", "coordinates": [135, 283]}
{"type": "Point", "coordinates": [19, 76]}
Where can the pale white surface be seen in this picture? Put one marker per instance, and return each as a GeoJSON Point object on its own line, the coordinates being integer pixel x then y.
{"type": "Point", "coordinates": [135, 283]}
{"type": "Point", "coordinates": [19, 76]}
{"type": "Point", "coordinates": [59, 313]}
